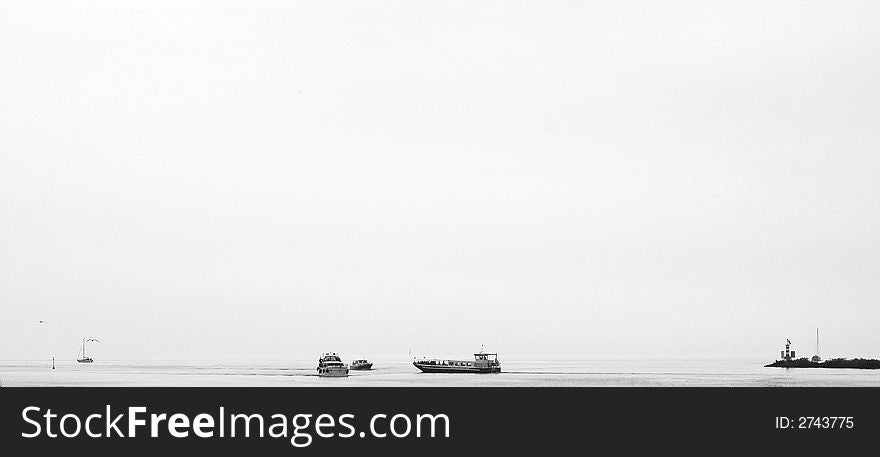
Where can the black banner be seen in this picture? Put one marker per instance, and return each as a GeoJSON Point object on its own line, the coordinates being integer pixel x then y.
{"type": "Point", "coordinates": [401, 421]}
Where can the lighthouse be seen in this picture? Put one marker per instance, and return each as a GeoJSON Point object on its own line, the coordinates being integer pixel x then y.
{"type": "Point", "coordinates": [787, 354]}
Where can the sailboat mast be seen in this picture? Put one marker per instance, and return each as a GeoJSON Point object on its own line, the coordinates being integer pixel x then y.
{"type": "Point", "coordinates": [84, 348]}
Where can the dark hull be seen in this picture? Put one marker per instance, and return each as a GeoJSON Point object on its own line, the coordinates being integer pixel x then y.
{"type": "Point", "coordinates": [368, 366]}
{"type": "Point", "coordinates": [454, 369]}
{"type": "Point", "coordinates": [84, 360]}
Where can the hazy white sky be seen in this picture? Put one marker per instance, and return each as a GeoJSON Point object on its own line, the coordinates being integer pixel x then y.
{"type": "Point", "coordinates": [237, 180]}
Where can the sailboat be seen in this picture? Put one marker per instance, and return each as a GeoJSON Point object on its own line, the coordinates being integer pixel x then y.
{"type": "Point", "coordinates": [82, 351]}
{"type": "Point", "coordinates": [817, 358]}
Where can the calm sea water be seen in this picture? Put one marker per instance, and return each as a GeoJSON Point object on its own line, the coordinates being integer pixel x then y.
{"type": "Point", "coordinates": [517, 373]}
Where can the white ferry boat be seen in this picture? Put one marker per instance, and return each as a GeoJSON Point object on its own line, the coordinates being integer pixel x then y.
{"type": "Point", "coordinates": [330, 365]}
{"type": "Point", "coordinates": [361, 364]}
{"type": "Point", "coordinates": [484, 362]}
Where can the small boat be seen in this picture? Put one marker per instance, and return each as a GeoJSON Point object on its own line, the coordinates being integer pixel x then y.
{"type": "Point", "coordinates": [482, 363]}
{"type": "Point", "coordinates": [361, 364]}
{"type": "Point", "coordinates": [81, 355]}
{"type": "Point", "coordinates": [330, 365]}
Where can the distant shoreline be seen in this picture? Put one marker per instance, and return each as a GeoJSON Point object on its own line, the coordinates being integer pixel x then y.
{"type": "Point", "coordinates": [863, 364]}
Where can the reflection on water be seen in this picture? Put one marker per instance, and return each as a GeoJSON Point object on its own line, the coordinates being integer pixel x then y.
{"type": "Point", "coordinates": [517, 373]}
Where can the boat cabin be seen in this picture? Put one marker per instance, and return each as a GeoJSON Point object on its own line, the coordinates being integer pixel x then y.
{"type": "Point", "coordinates": [329, 359]}
{"type": "Point", "coordinates": [482, 359]}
